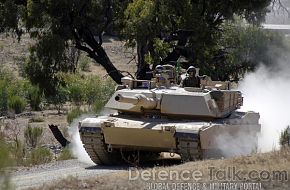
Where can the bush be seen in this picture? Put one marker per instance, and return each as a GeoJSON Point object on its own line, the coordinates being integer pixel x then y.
{"type": "Point", "coordinates": [107, 89]}
{"type": "Point", "coordinates": [73, 114]}
{"type": "Point", "coordinates": [18, 152]}
{"type": "Point", "coordinates": [3, 97]}
{"type": "Point", "coordinates": [5, 161]}
{"type": "Point", "coordinates": [98, 105]}
{"type": "Point", "coordinates": [76, 93]}
{"type": "Point", "coordinates": [65, 154]}
{"type": "Point", "coordinates": [60, 97]}
{"type": "Point", "coordinates": [33, 135]}
{"type": "Point", "coordinates": [92, 90]}
{"type": "Point", "coordinates": [285, 137]}
{"type": "Point", "coordinates": [35, 97]}
{"type": "Point", "coordinates": [17, 104]}
{"type": "Point", "coordinates": [39, 156]}
{"type": "Point", "coordinates": [84, 63]}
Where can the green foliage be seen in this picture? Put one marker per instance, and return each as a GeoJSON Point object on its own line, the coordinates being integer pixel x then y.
{"type": "Point", "coordinates": [5, 161]}
{"type": "Point", "coordinates": [4, 155]}
{"type": "Point", "coordinates": [284, 139]}
{"type": "Point", "coordinates": [76, 93]}
{"type": "Point", "coordinates": [17, 104]}
{"type": "Point", "coordinates": [107, 89]}
{"type": "Point", "coordinates": [40, 70]}
{"type": "Point", "coordinates": [3, 97]}
{"type": "Point", "coordinates": [150, 25]}
{"type": "Point", "coordinates": [91, 89]}
{"type": "Point", "coordinates": [75, 87]}
{"type": "Point", "coordinates": [9, 16]}
{"type": "Point", "coordinates": [39, 155]}
{"type": "Point", "coordinates": [84, 63]}
{"type": "Point", "coordinates": [15, 93]}
{"type": "Point", "coordinates": [33, 135]}
{"type": "Point", "coordinates": [35, 97]}
{"type": "Point", "coordinates": [65, 154]}
{"type": "Point", "coordinates": [140, 22]}
{"type": "Point", "coordinates": [246, 47]}
{"type": "Point", "coordinates": [162, 49]}
{"type": "Point", "coordinates": [75, 113]}
{"type": "Point", "coordinates": [60, 98]}
{"type": "Point", "coordinates": [18, 152]}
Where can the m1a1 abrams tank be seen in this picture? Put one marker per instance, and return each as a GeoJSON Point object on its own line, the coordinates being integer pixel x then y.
{"type": "Point", "coordinates": [159, 116]}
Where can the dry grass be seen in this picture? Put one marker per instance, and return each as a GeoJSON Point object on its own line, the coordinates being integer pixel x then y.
{"type": "Point", "coordinates": [274, 161]}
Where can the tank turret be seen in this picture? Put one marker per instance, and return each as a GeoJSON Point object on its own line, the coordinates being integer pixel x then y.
{"type": "Point", "coordinates": [206, 103]}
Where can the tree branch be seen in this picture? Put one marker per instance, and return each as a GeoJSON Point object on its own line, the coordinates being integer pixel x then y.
{"type": "Point", "coordinates": [20, 2]}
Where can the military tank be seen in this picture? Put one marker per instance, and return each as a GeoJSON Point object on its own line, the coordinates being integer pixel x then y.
{"type": "Point", "coordinates": [159, 117]}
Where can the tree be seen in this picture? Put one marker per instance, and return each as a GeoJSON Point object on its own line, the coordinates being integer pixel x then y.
{"type": "Point", "coordinates": [243, 48]}
{"type": "Point", "coordinates": [194, 26]}
{"type": "Point", "coordinates": [80, 22]}
{"type": "Point", "coordinates": [185, 27]}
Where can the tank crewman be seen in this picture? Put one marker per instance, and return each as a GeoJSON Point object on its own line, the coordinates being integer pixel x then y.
{"type": "Point", "coordinates": [191, 80]}
{"type": "Point", "coordinates": [160, 79]}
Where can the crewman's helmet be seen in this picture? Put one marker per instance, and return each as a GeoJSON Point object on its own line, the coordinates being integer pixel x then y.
{"type": "Point", "coordinates": [159, 68]}
{"type": "Point", "coordinates": [190, 69]}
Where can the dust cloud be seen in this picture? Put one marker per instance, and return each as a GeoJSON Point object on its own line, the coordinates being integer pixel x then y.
{"type": "Point", "coordinates": [267, 91]}
{"type": "Point", "coordinates": [76, 145]}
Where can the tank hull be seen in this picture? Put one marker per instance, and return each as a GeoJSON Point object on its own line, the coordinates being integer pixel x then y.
{"type": "Point", "coordinates": [114, 139]}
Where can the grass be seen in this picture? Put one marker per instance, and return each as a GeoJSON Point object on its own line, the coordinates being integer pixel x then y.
{"type": "Point", "coordinates": [270, 162]}
{"type": "Point", "coordinates": [33, 135]}
{"type": "Point", "coordinates": [65, 154]}
{"type": "Point", "coordinates": [75, 113]}
{"type": "Point", "coordinates": [38, 156]}
{"type": "Point", "coordinates": [5, 161]}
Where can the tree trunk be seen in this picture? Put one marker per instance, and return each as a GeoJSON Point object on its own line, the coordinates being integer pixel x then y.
{"type": "Point", "coordinates": [97, 52]}
{"type": "Point", "coordinates": [182, 37]}
{"type": "Point", "coordinates": [104, 60]}
{"type": "Point", "coordinates": [142, 50]}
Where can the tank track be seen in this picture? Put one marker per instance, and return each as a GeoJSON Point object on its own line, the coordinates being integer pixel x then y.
{"type": "Point", "coordinates": [189, 149]}
{"type": "Point", "coordinates": [97, 149]}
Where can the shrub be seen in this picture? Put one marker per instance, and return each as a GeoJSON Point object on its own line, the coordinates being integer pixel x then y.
{"type": "Point", "coordinates": [18, 88]}
{"type": "Point", "coordinates": [60, 97]}
{"type": "Point", "coordinates": [18, 152]}
{"type": "Point", "coordinates": [33, 135]}
{"type": "Point", "coordinates": [35, 97]}
{"type": "Point", "coordinates": [84, 63]}
{"type": "Point", "coordinates": [98, 105]}
{"type": "Point", "coordinates": [107, 89]}
{"type": "Point", "coordinates": [17, 104]}
{"type": "Point", "coordinates": [3, 97]}
{"type": "Point", "coordinates": [285, 137]}
{"type": "Point", "coordinates": [73, 114]}
{"type": "Point", "coordinates": [5, 161]}
{"type": "Point", "coordinates": [76, 93]}
{"type": "Point", "coordinates": [65, 154]}
{"type": "Point", "coordinates": [92, 90]}
{"type": "Point", "coordinates": [40, 155]}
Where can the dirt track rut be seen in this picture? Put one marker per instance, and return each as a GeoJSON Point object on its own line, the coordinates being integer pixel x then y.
{"type": "Point", "coordinates": [37, 176]}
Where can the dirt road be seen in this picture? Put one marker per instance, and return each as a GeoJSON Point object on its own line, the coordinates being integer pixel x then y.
{"type": "Point", "coordinates": [50, 173]}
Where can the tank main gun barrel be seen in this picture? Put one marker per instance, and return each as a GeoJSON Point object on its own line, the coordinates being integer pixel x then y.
{"type": "Point", "coordinates": [139, 100]}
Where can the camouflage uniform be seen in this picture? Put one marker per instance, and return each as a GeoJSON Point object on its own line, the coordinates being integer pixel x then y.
{"type": "Point", "coordinates": [190, 82]}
